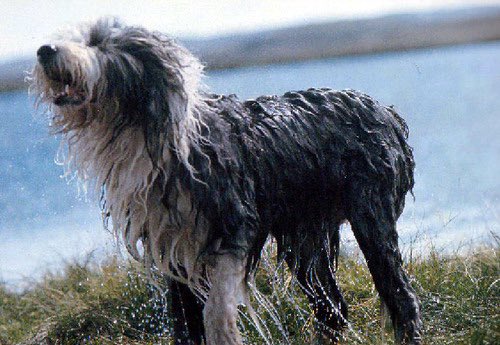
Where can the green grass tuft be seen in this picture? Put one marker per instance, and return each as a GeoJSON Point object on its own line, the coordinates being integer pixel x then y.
{"type": "Point", "coordinates": [114, 303]}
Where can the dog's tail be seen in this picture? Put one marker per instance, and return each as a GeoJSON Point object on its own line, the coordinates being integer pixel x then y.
{"type": "Point", "coordinates": [406, 162]}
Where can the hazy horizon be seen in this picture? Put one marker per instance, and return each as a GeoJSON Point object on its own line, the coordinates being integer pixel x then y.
{"type": "Point", "coordinates": [26, 24]}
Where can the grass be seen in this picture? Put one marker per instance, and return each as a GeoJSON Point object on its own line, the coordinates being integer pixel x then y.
{"type": "Point", "coordinates": [114, 303]}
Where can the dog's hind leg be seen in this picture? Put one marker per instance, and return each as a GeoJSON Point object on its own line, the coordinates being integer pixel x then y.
{"type": "Point", "coordinates": [186, 312]}
{"type": "Point", "coordinates": [313, 264]}
{"type": "Point", "coordinates": [227, 290]}
{"type": "Point", "coordinates": [374, 226]}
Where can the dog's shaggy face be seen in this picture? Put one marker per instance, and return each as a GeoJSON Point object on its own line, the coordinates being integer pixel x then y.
{"type": "Point", "coordinates": [103, 69]}
{"type": "Point", "coordinates": [204, 180]}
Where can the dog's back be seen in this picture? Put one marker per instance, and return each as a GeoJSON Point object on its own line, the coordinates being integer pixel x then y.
{"type": "Point", "coordinates": [303, 154]}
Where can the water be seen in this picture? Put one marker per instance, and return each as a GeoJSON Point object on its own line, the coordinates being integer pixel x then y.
{"type": "Point", "coordinates": [449, 97]}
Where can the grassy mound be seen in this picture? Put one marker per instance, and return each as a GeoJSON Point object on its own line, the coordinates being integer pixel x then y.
{"type": "Point", "coordinates": [115, 303]}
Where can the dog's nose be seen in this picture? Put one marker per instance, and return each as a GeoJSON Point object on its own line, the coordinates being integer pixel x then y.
{"type": "Point", "coordinates": [46, 53]}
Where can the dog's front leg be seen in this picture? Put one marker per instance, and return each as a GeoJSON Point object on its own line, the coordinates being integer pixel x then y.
{"type": "Point", "coordinates": [186, 312]}
{"type": "Point", "coordinates": [220, 314]}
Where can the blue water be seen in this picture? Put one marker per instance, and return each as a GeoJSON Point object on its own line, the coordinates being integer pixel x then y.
{"type": "Point", "coordinates": [449, 97]}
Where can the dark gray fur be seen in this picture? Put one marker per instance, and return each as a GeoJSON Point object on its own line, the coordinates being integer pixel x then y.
{"type": "Point", "coordinates": [296, 166]}
{"type": "Point", "coordinates": [293, 167]}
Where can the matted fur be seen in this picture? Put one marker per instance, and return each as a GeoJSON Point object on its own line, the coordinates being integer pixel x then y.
{"type": "Point", "coordinates": [203, 180]}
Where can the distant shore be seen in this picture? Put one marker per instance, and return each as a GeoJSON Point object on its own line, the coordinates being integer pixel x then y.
{"type": "Point", "coordinates": [390, 33]}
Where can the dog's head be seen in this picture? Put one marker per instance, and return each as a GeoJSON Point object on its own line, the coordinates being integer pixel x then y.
{"type": "Point", "coordinates": [115, 73]}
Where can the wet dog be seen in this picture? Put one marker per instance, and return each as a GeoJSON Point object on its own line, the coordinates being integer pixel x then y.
{"type": "Point", "coordinates": [203, 180]}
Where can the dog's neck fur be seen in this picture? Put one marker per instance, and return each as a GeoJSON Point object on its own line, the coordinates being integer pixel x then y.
{"type": "Point", "coordinates": [121, 168]}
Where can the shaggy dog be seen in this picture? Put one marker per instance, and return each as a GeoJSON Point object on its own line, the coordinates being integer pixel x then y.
{"type": "Point", "coordinates": [203, 180]}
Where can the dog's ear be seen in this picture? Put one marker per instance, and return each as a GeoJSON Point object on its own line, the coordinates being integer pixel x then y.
{"type": "Point", "coordinates": [163, 75]}
{"type": "Point", "coordinates": [172, 79]}
{"type": "Point", "coordinates": [181, 74]}
{"type": "Point", "coordinates": [174, 92]}
{"type": "Point", "coordinates": [160, 88]}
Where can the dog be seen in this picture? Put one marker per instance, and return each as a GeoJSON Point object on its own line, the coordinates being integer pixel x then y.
{"type": "Point", "coordinates": [196, 183]}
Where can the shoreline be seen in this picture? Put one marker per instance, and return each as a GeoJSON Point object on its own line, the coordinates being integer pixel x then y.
{"type": "Point", "coordinates": [18, 84]}
{"type": "Point", "coordinates": [357, 37]}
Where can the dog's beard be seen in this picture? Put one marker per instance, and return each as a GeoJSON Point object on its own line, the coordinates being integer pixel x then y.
{"type": "Point", "coordinates": [61, 88]}
{"type": "Point", "coordinates": [66, 93]}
